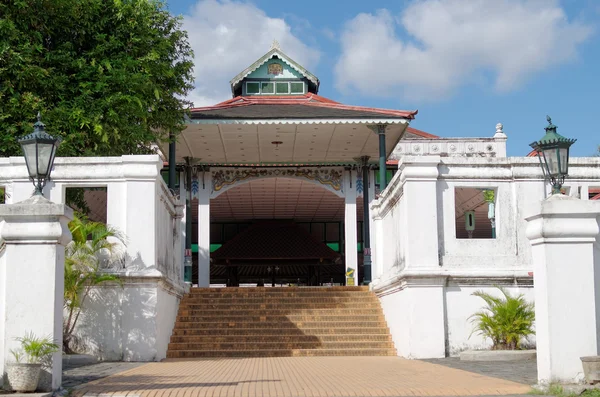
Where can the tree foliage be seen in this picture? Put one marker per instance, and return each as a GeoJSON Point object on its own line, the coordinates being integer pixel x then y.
{"type": "Point", "coordinates": [505, 320]}
{"type": "Point", "coordinates": [93, 243]}
{"type": "Point", "coordinates": [109, 76]}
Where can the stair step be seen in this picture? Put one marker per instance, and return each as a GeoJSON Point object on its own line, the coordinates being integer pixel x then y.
{"type": "Point", "coordinates": [279, 338]}
{"type": "Point", "coordinates": [292, 305]}
{"type": "Point", "coordinates": [240, 331]}
{"type": "Point", "coordinates": [273, 312]}
{"type": "Point", "coordinates": [236, 290]}
{"type": "Point", "coordinates": [295, 318]}
{"type": "Point", "coordinates": [280, 353]}
{"type": "Point", "coordinates": [279, 301]}
{"type": "Point", "coordinates": [315, 344]}
{"type": "Point", "coordinates": [279, 324]}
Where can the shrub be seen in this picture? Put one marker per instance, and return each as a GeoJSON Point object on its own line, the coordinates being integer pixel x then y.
{"type": "Point", "coordinates": [506, 320]}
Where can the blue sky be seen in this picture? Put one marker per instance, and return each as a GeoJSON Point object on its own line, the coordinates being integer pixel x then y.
{"type": "Point", "coordinates": [465, 65]}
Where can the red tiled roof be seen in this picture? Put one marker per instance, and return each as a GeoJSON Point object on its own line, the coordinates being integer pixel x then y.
{"type": "Point", "coordinates": [421, 134]}
{"type": "Point", "coordinates": [309, 102]}
{"type": "Point", "coordinates": [272, 240]}
{"type": "Point", "coordinates": [533, 153]}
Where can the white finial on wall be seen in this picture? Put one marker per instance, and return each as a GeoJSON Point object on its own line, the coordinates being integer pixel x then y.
{"type": "Point", "coordinates": [500, 131]}
{"type": "Point", "coordinates": [275, 45]}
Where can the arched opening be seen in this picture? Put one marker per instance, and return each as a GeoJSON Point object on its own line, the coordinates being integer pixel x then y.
{"type": "Point", "coordinates": [277, 231]}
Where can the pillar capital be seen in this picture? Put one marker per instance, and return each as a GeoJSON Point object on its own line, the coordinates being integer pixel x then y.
{"type": "Point", "coordinates": [563, 219]}
{"type": "Point", "coordinates": [377, 128]}
{"type": "Point", "coordinates": [50, 222]}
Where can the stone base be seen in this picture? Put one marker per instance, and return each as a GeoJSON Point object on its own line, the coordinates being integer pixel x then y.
{"type": "Point", "coordinates": [498, 355]}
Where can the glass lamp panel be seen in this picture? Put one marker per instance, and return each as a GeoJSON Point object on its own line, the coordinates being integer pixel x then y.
{"type": "Point", "coordinates": [283, 88]}
{"type": "Point", "coordinates": [551, 157]}
{"type": "Point", "coordinates": [252, 88]}
{"type": "Point", "coordinates": [29, 151]}
{"type": "Point", "coordinates": [563, 155]}
{"type": "Point", "coordinates": [268, 88]}
{"type": "Point", "coordinates": [45, 154]}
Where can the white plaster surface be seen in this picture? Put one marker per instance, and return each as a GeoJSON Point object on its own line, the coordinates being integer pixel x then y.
{"type": "Point", "coordinates": [129, 323]}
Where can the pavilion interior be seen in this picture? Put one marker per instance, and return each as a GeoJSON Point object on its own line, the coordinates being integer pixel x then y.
{"type": "Point", "coordinates": [296, 203]}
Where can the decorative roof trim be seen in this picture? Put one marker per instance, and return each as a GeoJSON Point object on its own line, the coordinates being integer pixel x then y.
{"type": "Point", "coordinates": [302, 121]}
{"type": "Point", "coordinates": [265, 58]}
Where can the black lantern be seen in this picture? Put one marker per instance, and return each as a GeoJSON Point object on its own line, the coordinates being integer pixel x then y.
{"type": "Point", "coordinates": [39, 149]}
{"type": "Point", "coordinates": [553, 152]}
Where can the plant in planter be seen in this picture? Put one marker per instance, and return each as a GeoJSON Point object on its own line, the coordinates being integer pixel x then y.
{"type": "Point", "coordinates": [23, 375]}
{"type": "Point", "coordinates": [506, 320]}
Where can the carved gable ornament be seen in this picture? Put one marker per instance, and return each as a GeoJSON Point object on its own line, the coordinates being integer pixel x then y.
{"type": "Point", "coordinates": [275, 69]}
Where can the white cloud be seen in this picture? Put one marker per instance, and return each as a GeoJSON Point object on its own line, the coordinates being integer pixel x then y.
{"type": "Point", "coordinates": [455, 42]}
{"type": "Point", "coordinates": [227, 37]}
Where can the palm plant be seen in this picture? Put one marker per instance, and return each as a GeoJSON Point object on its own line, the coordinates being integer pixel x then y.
{"type": "Point", "coordinates": [83, 256]}
{"type": "Point", "coordinates": [34, 350]}
{"type": "Point", "coordinates": [506, 320]}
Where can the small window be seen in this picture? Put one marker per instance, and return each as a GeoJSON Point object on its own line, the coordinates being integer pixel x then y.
{"type": "Point", "coordinates": [252, 87]}
{"type": "Point", "coordinates": [475, 213]}
{"type": "Point", "coordinates": [283, 88]}
{"type": "Point", "coordinates": [297, 88]}
{"type": "Point", "coordinates": [268, 88]}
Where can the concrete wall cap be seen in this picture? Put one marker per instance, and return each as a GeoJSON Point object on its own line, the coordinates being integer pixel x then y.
{"type": "Point", "coordinates": [35, 206]}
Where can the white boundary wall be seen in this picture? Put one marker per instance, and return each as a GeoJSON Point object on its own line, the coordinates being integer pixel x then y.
{"type": "Point", "coordinates": [133, 322]}
{"type": "Point", "coordinates": [424, 275]}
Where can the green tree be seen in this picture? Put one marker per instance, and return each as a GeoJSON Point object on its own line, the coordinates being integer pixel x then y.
{"type": "Point", "coordinates": [109, 76]}
{"type": "Point", "coordinates": [92, 243]}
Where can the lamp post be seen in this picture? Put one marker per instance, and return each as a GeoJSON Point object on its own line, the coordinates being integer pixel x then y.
{"type": "Point", "coordinates": [39, 149]}
{"type": "Point", "coordinates": [553, 153]}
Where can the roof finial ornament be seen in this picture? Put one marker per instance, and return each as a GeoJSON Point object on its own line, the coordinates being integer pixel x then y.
{"type": "Point", "coordinates": [275, 45]}
{"type": "Point", "coordinates": [499, 131]}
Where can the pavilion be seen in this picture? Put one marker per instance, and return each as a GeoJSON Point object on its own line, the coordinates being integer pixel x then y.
{"type": "Point", "coordinates": [279, 151]}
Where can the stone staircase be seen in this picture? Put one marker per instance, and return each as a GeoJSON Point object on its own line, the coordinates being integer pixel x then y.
{"type": "Point", "coordinates": [278, 322]}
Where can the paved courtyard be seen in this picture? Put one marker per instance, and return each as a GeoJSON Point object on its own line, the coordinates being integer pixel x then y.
{"type": "Point", "coordinates": [299, 376]}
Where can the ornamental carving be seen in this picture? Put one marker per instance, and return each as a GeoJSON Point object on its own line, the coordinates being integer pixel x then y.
{"type": "Point", "coordinates": [324, 176]}
{"type": "Point", "coordinates": [275, 69]}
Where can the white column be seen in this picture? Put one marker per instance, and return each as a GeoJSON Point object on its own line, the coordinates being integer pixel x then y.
{"type": "Point", "coordinates": [183, 223]}
{"type": "Point", "coordinates": [419, 175]}
{"type": "Point", "coordinates": [426, 337]}
{"type": "Point", "coordinates": [142, 175]}
{"type": "Point", "coordinates": [563, 232]}
{"type": "Point", "coordinates": [204, 189]}
{"type": "Point", "coordinates": [350, 226]}
{"type": "Point", "coordinates": [32, 278]}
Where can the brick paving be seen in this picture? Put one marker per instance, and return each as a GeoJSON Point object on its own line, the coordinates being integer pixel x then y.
{"type": "Point", "coordinates": [298, 377]}
{"type": "Point", "coordinates": [516, 371]}
{"type": "Point", "coordinates": [77, 375]}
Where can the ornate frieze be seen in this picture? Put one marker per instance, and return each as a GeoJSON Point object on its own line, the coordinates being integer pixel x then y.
{"type": "Point", "coordinates": [223, 178]}
{"type": "Point", "coordinates": [470, 147]}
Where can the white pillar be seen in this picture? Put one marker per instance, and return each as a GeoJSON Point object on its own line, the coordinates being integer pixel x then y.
{"type": "Point", "coordinates": [204, 189]}
{"type": "Point", "coordinates": [141, 174]}
{"type": "Point", "coordinates": [32, 278]}
{"type": "Point", "coordinates": [426, 335]}
{"type": "Point", "coordinates": [183, 192]}
{"type": "Point", "coordinates": [419, 175]}
{"type": "Point", "coordinates": [350, 225]}
{"type": "Point", "coordinates": [564, 232]}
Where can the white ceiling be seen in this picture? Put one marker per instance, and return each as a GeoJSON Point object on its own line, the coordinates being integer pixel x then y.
{"type": "Point", "coordinates": [278, 198]}
{"type": "Point", "coordinates": [252, 143]}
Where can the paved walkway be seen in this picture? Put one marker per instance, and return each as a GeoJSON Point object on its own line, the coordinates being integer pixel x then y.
{"type": "Point", "coordinates": [298, 376]}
